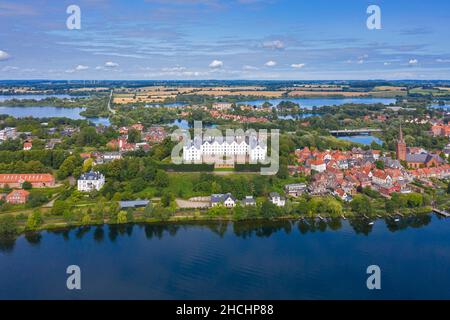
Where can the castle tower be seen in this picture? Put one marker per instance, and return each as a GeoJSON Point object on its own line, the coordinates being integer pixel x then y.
{"type": "Point", "coordinates": [401, 146]}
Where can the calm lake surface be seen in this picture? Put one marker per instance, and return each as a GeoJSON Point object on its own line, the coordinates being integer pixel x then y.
{"type": "Point", "coordinates": [258, 260]}
{"type": "Point", "coordinates": [184, 124]}
{"type": "Point", "coordinates": [437, 106]}
{"type": "Point", "coordinates": [309, 103]}
{"type": "Point", "coordinates": [34, 96]}
{"type": "Point", "coordinates": [362, 139]}
{"type": "Point", "coordinates": [49, 111]}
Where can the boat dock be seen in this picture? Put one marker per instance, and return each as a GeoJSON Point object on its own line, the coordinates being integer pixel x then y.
{"type": "Point", "coordinates": [442, 212]}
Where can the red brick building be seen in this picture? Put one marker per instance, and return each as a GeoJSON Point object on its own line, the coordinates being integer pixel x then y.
{"type": "Point", "coordinates": [37, 180]}
{"type": "Point", "coordinates": [17, 197]}
{"type": "Point", "coordinates": [401, 147]}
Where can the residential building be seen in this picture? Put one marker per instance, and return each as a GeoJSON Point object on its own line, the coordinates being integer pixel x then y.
{"type": "Point", "coordinates": [8, 133]}
{"type": "Point", "coordinates": [17, 197]}
{"type": "Point", "coordinates": [295, 189]}
{"type": "Point", "coordinates": [27, 146]}
{"type": "Point", "coordinates": [91, 181]}
{"type": "Point", "coordinates": [276, 199]}
{"type": "Point", "coordinates": [249, 201]}
{"type": "Point", "coordinates": [226, 200]}
{"type": "Point", "coordinates": [318, 165]}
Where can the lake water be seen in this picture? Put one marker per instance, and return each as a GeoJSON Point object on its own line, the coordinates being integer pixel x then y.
{"type": "Point", "coordinates": [362, 139]}
{"type": "Point", "coordinates": [167, 105]}
{"type": "Point", "coordinates": [184, 124]}
{"type": "Point", "coordinates": [309, 103]}
{"type": "Point", "coordinates": [300, 116]}
{"type": "Point", "coordinates": [437, 106]}
{"type": "Point", "coordinates": [34, 96]}
{"type": "Point", "coordinates": [49, 111]}
{"type": "Point", "coordinates": [258, 260]}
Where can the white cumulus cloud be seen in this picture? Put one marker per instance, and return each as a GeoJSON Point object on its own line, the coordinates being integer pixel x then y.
{"type": "Point", "coordinates": [111, 64]}
{"type": "Point", "coordinates": [81, 67]}
{"type": "Point", "coordinates": [249, 68]}
{"type": "Point", "coordinates": [271, 63]}
{"type": "Point", "coordinates": [216, 64]}
{"type": "Point", "coordinates": [4, 55]}
{"type": "Point", "coordinates": [275, 44]}
{"type": "Point", "coordinates": [297, 65]}
{"type": "Point", "coordinates": [413, 61]}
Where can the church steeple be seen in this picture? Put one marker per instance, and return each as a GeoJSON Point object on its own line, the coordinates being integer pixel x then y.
{"type": "Point", "coordinates": [401, 146]}
{"type": "Point", "coordinates": [401, 133]}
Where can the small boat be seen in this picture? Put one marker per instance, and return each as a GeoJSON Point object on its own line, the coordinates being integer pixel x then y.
{"type": "Point", "coordinates": [371, 223]}
{"type": "Point", "coordinates": [397, 219]}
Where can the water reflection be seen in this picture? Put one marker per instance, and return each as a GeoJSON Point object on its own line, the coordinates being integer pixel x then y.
{"type": "Point", "coordinates": [7, 244]}
{"type": "Point", "coordinates": [33, 238]}
{"type": "Point", "coordinates": [241, 229]}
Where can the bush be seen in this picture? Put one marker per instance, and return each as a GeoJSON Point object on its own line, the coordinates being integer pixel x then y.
{"type": "Point", "coordinates": [34, 220]}
{"type": "Point", "coordinates": [27, 185]}
{"type": "Point", "coordinates": [8, 226]}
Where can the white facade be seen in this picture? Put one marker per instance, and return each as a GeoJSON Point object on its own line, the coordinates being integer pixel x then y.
{"type": "Point", "coordinates": [195, 150]}
{"type": "Point", "coordinates": [277, 200]}
{"type": "Point", "coordinates": [8, 133]}
{"type": "Point", "coordinates": [319, 167]}
{"type": "Point", "coordinates": [91, 181]}
{"type": "Point", "coordinates": [226, 200]}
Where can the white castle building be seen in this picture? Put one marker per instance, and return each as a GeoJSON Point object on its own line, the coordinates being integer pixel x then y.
{"type": "Point", "coordinates": [91, 181]}
{"type": "Point", "coordinates": [234, 149]}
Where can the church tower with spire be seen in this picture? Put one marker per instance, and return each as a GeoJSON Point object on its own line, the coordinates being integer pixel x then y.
{"type": "Point", "coordinates": [401, 146]}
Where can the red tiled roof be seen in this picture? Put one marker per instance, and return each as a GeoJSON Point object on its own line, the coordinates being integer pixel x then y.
{"type": "Point", "coordinates": [30, 177]}
{"type": "Point", "coordinates": [18, 193]}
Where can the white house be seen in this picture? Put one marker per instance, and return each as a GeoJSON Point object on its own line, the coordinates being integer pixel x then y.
{"type": "Point", "coordinates": [91, 181]}
{"type": "Point", "coordinates": [8, 133]}
{"type": "Point", "coordinates": [249, 201]}
{"type": "Point", "coordinates": [226, 200]}
{"type": "Point", "coordinates": [381, 178]}
{"type": "Point", "coordinates": [318, 165]}
{"type": "Point", "coordinates": [276, 199]}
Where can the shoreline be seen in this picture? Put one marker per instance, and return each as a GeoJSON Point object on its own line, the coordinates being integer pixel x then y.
{"type": "Point", "coordinates": [193, 219]}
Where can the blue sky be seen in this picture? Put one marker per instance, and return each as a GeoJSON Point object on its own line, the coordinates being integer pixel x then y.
{"type": "Point", "coordinates": [234, 39]}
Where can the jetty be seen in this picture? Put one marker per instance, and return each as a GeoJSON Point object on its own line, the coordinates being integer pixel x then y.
{"type": "Point", "coordinates": [441, 212]}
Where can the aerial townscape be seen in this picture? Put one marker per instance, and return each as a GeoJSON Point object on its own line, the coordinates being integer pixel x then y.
{"type": "Point", "coordinates": [235, 150]}
{"type": "Point", "coordinates": [384, 156]}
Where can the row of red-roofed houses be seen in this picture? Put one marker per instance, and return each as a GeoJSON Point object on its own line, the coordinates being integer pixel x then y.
{"type": "Point", "coordinates": [238, 118]}
{"type": "Point", "coordinates": [154, 134]}
{"type": "Point", "coordinates": [343, 172]}
{"type": "Point", "coordinates": [440, 172]}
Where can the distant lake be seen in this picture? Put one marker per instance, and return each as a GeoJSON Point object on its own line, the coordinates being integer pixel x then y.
{"type": "Point", "coordinates": [184, 124]}
{"type": "Point", "coordinates": [362, 139]}
{"type": "Point", "coordinates": [437, 106]}
{"type": "Point", "coordinates": [256, 260]}
{"type": "Point", "coordinates": [299, 116]}
{"type": "Point", "coordinates": [308, 103]}
{"type": "Point", "coordinates": [167, 105]}
{"type": "Point", "coordinates": [50, 111]}
{"type": "Point", "coordinates": [34, 96]}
